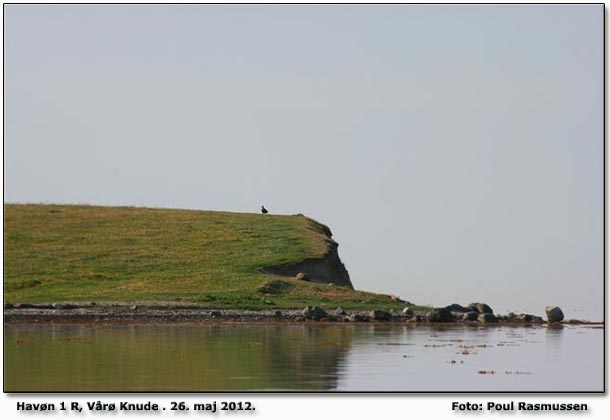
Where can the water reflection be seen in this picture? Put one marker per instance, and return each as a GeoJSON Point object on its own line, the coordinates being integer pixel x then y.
{"type": "Point", "coordinates": [173, 358]}
{"type": "Point", "coordinates": [554, 334]}
{"type": "Point", "coordinates": [363, 357]}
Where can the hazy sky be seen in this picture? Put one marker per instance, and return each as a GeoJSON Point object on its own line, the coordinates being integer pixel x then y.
{"type": "Point", "coordinates": [456, 152]}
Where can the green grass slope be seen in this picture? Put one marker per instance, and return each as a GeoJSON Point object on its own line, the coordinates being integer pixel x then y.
{"type": "Point", "coordinates": [210, 259]}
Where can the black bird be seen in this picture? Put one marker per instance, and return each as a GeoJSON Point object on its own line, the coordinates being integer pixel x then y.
{"type": "Point", "coordinates": [264, 210]}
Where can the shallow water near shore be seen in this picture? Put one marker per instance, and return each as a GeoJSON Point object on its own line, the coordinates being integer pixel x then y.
{"type": "Point", "coordinates": [301, 357]}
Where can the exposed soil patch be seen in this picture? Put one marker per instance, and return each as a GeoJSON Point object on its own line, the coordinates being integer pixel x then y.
{"type": "Point", "coordinates": [326, 269]}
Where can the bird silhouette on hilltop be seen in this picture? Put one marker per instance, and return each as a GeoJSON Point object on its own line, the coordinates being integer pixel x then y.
{"type": "Point", "coordinates": [264, 210]}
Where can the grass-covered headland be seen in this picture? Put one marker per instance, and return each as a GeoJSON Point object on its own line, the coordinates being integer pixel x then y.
{"type": "Point", "coordinates": [70, 253]}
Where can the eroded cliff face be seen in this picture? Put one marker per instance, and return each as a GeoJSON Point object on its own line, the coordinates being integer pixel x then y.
{"type": "Point", "coordinates": [326, 269]}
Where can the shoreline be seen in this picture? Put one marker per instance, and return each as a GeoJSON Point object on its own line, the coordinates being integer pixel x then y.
{"type": "Point", "coordinates": [133, 314]}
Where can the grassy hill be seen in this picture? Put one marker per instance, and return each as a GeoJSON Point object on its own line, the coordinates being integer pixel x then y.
{"type": "Point", "coordinates": [55, 253]}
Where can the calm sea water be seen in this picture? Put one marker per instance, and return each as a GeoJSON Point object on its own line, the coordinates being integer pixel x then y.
{"type": "Point", "coordinates": [204, 357]}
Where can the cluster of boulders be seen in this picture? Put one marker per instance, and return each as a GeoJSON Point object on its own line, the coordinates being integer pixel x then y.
{"type": "Point", "coordinates": [317, 313]}
{"type": "Point", "coordinates": [473, 313]}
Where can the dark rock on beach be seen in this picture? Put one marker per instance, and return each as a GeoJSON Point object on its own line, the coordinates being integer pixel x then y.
{"type": "Point", "coordinates": [314, 312]}
{"type": "Point", "coordinates": [524, 318]}
{"type": "Point", "coordinates": [339, 311]}
{"type": "Point", "coordinates": [511, 316]}
{"type": "Point", "coordinates": [439, 315]}
{"type": "Point", "coordinates": [378, 315]}
{"type": "Point", "coordinates": [457, 311]}
{"type": "Point", "coordinates": [487, 318]}
{"type": "Point", "coordinates": [470, 316]}
{"type": "Point", "coordinates": [454, 307]}
{"type": "Point", "coordinates": [358, 318]}
{"type": "Point", "coordinates": [554, 313]}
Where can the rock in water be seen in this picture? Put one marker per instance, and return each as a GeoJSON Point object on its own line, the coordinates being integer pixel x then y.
{"type": "Point", "coordinates": [554, 313]}
{"type": "Point", "coordinates": [481, 308]}
{"type": "Point", "coordinates": [314, 312]}
{"type": "Point", "coordinates": [378, 315]}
